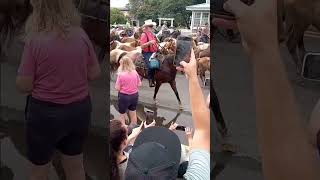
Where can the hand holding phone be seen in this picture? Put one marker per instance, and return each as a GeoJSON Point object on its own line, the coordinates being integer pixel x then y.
{"type": "Point", "coordinates": [190, 69]}
{"type": "Point", "coordinates": [149, 125]}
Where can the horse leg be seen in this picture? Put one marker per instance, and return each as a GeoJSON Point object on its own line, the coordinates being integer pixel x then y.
{"type": "Point", "coordinates": [102, 53]}
{"type": "Point", "coordinates": [280, 15]}
{"type": "Point", "coordinates": [217, 113]}
{"type": "Point", "coordinates": [302, 49]}
{"type": "Point", "coordinates": [173, 85]}
{"type": "Point", "coordinates": [158, 84]}
{"type": "Point", "coordinates": [292, 43]}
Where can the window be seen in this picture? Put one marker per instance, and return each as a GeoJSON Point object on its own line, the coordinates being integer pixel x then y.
{"type": "Point", "coordinates": [196, 19]}
{"type": "Point", "coordinates": [205, 18]}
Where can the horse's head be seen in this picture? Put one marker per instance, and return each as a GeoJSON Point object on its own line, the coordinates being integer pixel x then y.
{"type": "Point", "coordinates": [137, 33]}
{"type": "Point", "coordinates": [137, 43]}
{"type": "Point", "coordinates": [175, 34]}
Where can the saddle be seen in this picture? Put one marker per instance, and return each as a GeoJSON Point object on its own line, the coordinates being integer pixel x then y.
{"type": "Point", "coordinates": [142, 65]}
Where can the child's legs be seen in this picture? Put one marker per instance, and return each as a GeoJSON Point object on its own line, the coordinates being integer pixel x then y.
{"type": "Point", "coordinates": [133, 117]}
{"type": "Point", "coordinates": [132, 108]}
{"type": "Point", "coordinates": [123, 106]}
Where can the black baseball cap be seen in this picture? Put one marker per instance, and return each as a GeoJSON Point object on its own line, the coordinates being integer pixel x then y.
{"type": "Point", "coordinates": [156, 154]}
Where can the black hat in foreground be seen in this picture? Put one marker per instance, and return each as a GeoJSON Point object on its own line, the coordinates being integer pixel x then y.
{"type": "Point", "coordinates": [155, 155]}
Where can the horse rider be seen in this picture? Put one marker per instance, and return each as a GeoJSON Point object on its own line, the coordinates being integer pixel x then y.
{"type": "Point", "coordinates": [164, 26]}
{"type": "Point", "coordinates": [205, 34]}
{"type": "Point", "coordinates": [149, 46]}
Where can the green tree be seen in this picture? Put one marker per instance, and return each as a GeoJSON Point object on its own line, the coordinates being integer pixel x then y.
{"type": "Point", "coordinates": [153, 9]}
{"type": "Point", "coordinates": [116, 16]}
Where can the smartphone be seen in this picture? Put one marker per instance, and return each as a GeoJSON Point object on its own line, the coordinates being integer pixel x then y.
{"type": "Point", "coordinates": [220, 12]}
{"type": "Point", "coordinates": [183, 49]}
{"type": "Point", "coordinates": [149, 116]}
{"type": "Point", "coordinates": [181, 128]}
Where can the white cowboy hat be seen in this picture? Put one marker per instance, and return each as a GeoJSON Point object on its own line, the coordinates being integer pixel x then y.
{"type": "Point", "coordinates": [149, 23]}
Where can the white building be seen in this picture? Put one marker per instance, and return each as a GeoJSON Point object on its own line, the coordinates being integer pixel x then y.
{"type": "Point", "coordinates": [200, 15]}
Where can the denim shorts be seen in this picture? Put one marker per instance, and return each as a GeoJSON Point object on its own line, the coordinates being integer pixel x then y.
{"type": "Point", "coordinates": [51, 127]}
{"type": "Point", "coordinates": [127, 102]}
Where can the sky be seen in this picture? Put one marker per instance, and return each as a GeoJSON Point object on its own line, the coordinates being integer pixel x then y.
{"type": "Point", "coordinates": [118, 3]}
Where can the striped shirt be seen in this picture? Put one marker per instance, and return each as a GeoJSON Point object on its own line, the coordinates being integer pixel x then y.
{"type": "Point", "coordinates": [199, 166]}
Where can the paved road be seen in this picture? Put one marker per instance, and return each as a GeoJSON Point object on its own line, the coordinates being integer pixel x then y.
{"type": "Point", "coordinates": [233, 82]}
{"type": "Point", "coordinates": [165, 96]}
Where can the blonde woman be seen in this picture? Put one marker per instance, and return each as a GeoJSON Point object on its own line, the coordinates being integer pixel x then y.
{"type": "Point", "coordinates": [128, 82]}
{"type": "Point", "coordinates": [57, 63]}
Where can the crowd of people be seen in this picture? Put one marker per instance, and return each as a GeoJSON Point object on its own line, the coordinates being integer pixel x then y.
{"type": "Point", "coordinates": [203, 34]}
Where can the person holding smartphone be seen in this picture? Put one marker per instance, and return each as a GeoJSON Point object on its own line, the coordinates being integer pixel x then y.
{"type": "Point", "coordinates": [120, 143]}
{"type": "Point", "coordinates": [149, 46]}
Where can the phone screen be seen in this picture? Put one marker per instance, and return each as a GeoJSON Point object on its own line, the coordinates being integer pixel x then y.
{"type": "Point", "coordinates": [183, 49]}
{"type": "Point", "coordinates": [149, 116]}
{"type": "Point", "coordinates": [181, 128]}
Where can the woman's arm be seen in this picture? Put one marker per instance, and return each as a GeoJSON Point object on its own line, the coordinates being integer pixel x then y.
{"type": "Point", "coordinates": [24, 84]}
{"type": "Point", "coordinates": [200, 111]}
{"type": "Point", "coordinates": [117, 86]}
{"type": "Point", "coordinates": [93, 65]}
{"type": "Point", "coordinates": [27, 70]}
{"type": "Point", "coordinates": [286, 152]}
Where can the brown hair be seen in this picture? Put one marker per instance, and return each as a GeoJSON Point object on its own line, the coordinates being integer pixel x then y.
{"type": "Point", "coordinates": [118, 134]}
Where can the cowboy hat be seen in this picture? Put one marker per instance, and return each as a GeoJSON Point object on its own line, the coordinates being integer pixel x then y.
{"type": "Point", "coordinates": [149, 23]}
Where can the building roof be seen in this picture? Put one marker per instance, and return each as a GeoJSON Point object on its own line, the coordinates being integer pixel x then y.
{"type": "Point", "coordinates": [122, 8]}
{"type": "Point", "coordinates": [199, 7]}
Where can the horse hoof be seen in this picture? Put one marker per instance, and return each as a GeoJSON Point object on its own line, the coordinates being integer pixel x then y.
{"type": "Point", "coordinates": [180, 107]}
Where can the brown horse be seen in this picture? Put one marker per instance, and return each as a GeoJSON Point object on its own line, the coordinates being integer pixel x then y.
{"type": "Point", "coordinates": [95, 22]}
{"type": "Point", "coordinates": [166, 74]}
{"type": "Point", "coordinates": [295, 17]}
{"type": "Point", "coordinates": [136, 36]}
{"type": "Point", "coordinates": [13, 14]}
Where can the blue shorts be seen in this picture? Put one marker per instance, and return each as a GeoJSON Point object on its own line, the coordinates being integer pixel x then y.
{"type": "Point", "coordinates": [127, 102]}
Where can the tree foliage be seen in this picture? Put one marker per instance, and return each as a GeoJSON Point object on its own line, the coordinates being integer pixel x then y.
{"type": "Point", "coordinates": [153, 9]}
{"type": "Point", "coordinates": [116, 16]}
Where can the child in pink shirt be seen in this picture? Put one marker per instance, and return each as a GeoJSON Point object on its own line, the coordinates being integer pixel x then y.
{"type": "Point", "coordinates": [128, 82]}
